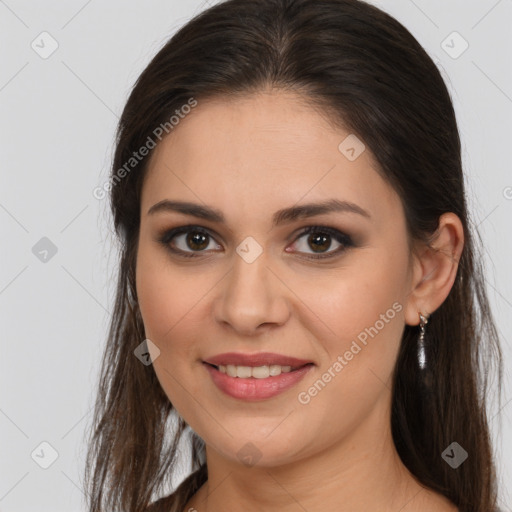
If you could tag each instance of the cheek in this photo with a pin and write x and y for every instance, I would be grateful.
(168, 295)
(358, 311)
(169, 306)
(359, 323)
(174, 303)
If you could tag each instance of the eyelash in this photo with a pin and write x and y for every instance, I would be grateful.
(342, 238)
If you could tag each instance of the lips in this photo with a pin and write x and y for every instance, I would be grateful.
(258, 359)
(255, 389)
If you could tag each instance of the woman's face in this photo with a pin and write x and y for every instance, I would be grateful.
(247, 285)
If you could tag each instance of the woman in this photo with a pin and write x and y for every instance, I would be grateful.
(298, 267)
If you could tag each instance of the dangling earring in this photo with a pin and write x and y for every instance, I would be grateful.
(422, 358)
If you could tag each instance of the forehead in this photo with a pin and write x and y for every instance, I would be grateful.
(258, 153)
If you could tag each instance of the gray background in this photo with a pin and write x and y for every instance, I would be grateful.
(57, 122)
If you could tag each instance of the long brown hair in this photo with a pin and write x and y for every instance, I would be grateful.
(368, 74)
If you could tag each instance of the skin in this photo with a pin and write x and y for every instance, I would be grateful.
(336, 452)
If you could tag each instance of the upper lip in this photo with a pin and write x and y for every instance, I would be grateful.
(258, 359)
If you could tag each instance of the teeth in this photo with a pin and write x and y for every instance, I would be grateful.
(258, 372)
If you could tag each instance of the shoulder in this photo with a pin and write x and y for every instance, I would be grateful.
(164, 504)
(177, 500)
(438, 502)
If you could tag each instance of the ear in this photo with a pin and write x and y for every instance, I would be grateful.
(434, 269)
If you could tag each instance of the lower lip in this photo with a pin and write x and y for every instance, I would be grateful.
(253, 389)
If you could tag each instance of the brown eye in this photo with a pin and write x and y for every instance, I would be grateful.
(187, 240)
(196, 241)
(320, 240)
(192, 241)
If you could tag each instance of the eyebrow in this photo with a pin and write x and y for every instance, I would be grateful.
(286, 215)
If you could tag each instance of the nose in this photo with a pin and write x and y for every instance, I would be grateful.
(252, 298)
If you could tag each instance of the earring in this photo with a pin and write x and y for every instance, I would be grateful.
(422, 358)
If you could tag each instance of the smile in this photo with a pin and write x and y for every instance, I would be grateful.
(258, 372)
(258, 382)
